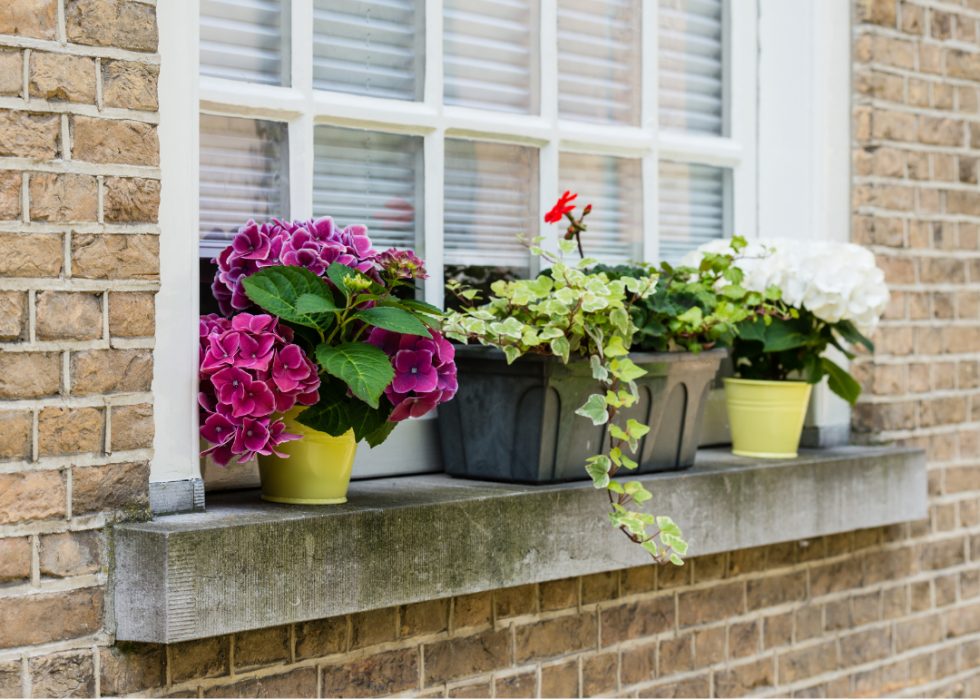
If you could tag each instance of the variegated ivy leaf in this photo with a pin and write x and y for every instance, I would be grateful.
(597, 286)
(535, 250)
(595, 410)
(599, 470)
(621, 319)
(626, 370)
(541, 286)
(561, 348)
(550, 334)
(530, 338)
(598, 371)
(567, 246)
(615, 347)
(482, 315)
(521, 296)
(511, 327)
(628, 462)
(586, 262)
(591, 302)
(474, 326)
(652, 547)
(636, 429)
(676, 560)
(567, 296)
(499, 287)
(615, 486)
(511, 353)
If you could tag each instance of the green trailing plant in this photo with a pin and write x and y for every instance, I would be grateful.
(567, 312)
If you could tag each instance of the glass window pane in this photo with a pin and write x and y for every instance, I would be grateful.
(369, 47)
(490, 197)
(599, 61)
(692, 207)
(241, 176)
(691, 54)
(614, 187)
(242, 40)
(370, 178)
(490, 54)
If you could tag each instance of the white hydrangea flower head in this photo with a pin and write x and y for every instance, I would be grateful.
(834, 281)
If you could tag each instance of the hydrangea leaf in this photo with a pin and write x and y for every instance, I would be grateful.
(841, 382)
(330, 413)
(394, 319)
(365, 368)
(277, 289)
(308, 304)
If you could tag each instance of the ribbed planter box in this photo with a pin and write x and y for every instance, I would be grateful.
(517, 423)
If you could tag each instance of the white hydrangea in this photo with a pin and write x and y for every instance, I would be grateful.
(834, 281)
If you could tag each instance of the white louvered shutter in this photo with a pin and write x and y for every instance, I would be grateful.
(599, 61)
(490, 54)
(490, 197)
(242, 40)
(691, 75)
(692, 207)
(369, 47)
(240, 176)
(613, 186)
(370, 178)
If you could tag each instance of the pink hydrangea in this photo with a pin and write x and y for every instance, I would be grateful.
(249, 370)
(313, 244)
(425, 371)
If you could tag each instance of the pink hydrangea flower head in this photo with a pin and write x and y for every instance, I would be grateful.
(414, 371)
(402, 264)
(251, 242)
(415, 406)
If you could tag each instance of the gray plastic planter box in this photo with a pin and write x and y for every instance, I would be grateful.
(517, 423)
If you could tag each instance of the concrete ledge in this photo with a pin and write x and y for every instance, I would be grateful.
(246, 564)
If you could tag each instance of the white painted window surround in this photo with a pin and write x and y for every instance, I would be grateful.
(184, 95)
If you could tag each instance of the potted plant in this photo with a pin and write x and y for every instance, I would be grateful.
(338, 356)
(834, 294)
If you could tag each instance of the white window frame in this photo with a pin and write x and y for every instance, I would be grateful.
(184, 95)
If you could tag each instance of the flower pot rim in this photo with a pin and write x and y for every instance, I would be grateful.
(484, 352)
(766, 382)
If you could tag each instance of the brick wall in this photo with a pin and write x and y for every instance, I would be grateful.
(79, 192)
(862, 613)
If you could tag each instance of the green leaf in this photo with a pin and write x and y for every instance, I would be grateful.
(780, 336)
(380, 434)
(754, 329)
(277, 289)
(615, 486)
(598, 371)
(422, 307)
(615, 347)
(330, 413)
(511, 352)
(853, 335)
(840, 382)
(311, 303)
(629, 463)
(561, 348)
(626, 370)
(363, 367)
(367, 421)
(394, 319)
(636, 429)
(567, 246)
(339, 274)
(599, 470)
(676, 560)
(595, 410)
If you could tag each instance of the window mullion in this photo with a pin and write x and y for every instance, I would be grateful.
(434, 151)
(301, 45)
(743, 104)
(300, 170)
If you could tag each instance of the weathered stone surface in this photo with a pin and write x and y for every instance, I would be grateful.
(560, 680)
(111, 371)
(64, 198)
(131, 314)
(424, 618)
(261, 647)
(29, 374)
(316, 639)
(298, 683)
(115, 256)
(644, 618)
(744, 679)
(15, 559)
(473, 610)
(700, 606)
(865, 646)
(15, 435)
(68, 316)
(676, 655)
(553, 638)
(131, 200)
(130, 85)
(9, 190)
(373, 627)
(24, 135)
(37, 19)
(118, 141)
(515, 601)
(769, 592)
(743, 639)
(466, 656)
(11, 72)
(131, 668)
(45, 618)
(31, 496)
(69, 431)
(56, 76)
(801, 664)
(382, 674)
(30, 255)
(111, 487)
(63, 675)
(70, 553)
(963, 64)
(599, 674)
(13, 312)
(132, 427)
(517, 686)
(709, 646)
(127, 25)
(207, 657)
(10, 680)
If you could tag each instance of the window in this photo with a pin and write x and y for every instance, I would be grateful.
(450, 126)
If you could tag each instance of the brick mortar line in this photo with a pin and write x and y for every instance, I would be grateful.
(110, 52)
(44, 106)
(101, 639)
(922, 689)
(82, 227)
(49, 586)
(916, 146)
(77, 284)
(58, 463)
(78, 167)
(74, 345)
(79, 523)
(933, 184)
(95, 400)
(951, 114)
(873, 66)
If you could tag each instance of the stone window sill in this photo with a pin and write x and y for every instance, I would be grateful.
(247, 564)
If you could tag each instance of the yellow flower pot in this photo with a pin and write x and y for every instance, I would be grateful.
(317, 471)
(766, 417)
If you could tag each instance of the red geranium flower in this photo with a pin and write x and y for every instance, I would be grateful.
(560, 209)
